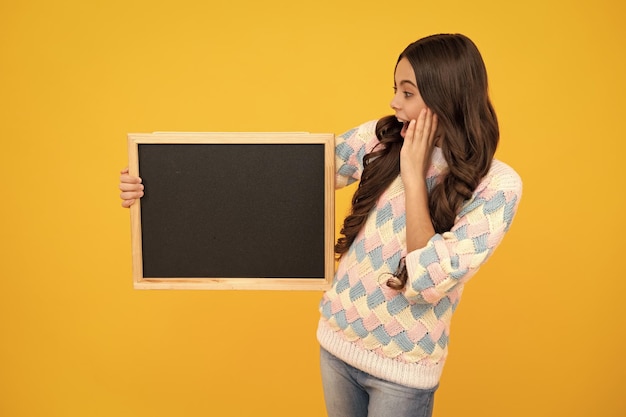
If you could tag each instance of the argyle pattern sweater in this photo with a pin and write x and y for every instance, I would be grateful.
(402, 336)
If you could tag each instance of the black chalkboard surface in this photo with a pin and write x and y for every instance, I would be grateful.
(233, 210)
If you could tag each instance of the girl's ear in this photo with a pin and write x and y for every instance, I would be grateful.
(440, 134)
(438, 137)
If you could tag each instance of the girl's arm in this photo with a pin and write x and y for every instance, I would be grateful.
(452, 258)
(414, 161)
(350, 148)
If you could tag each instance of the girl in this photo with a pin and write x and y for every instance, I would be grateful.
(431, 206)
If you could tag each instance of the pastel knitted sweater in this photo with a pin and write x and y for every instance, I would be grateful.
(402, 336)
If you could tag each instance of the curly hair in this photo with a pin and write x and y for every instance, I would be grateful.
(452, 80)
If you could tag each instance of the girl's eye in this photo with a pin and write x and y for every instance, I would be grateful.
(406, 94)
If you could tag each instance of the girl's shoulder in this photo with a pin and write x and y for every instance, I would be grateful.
(500, 189)
(364, 130)
(501, 177)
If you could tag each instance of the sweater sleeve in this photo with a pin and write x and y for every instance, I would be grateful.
(350, 148)
(452, 258)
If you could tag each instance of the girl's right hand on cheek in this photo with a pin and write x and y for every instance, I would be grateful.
(418, 145)
(131, 188)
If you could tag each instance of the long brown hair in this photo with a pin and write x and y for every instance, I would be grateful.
(452, 81)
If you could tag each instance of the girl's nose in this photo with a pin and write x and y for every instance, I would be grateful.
(394, 104)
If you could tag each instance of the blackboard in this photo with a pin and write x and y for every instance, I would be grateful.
(233, 210)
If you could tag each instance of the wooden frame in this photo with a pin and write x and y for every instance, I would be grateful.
(322, 282)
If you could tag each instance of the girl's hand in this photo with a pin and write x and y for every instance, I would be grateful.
(418, 146)
(131, 187)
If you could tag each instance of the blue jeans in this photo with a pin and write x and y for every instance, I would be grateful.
(349, 392)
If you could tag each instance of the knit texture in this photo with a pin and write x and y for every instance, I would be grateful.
(402, 336)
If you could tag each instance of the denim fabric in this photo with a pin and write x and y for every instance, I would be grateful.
(349, 392)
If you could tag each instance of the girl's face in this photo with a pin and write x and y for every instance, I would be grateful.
(407, 101)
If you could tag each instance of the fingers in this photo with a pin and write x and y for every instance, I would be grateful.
(129, 179)
(131, 195)
(125, 186)
(131, 187)
(427, 115)
(418, 145)
(131, 192)
(410, 132)
(424, 128)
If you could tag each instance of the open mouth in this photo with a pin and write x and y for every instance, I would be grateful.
(405, 125)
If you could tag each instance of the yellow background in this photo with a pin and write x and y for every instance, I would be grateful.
(541, 329)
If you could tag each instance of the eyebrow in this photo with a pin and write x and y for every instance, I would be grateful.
(408, 82)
